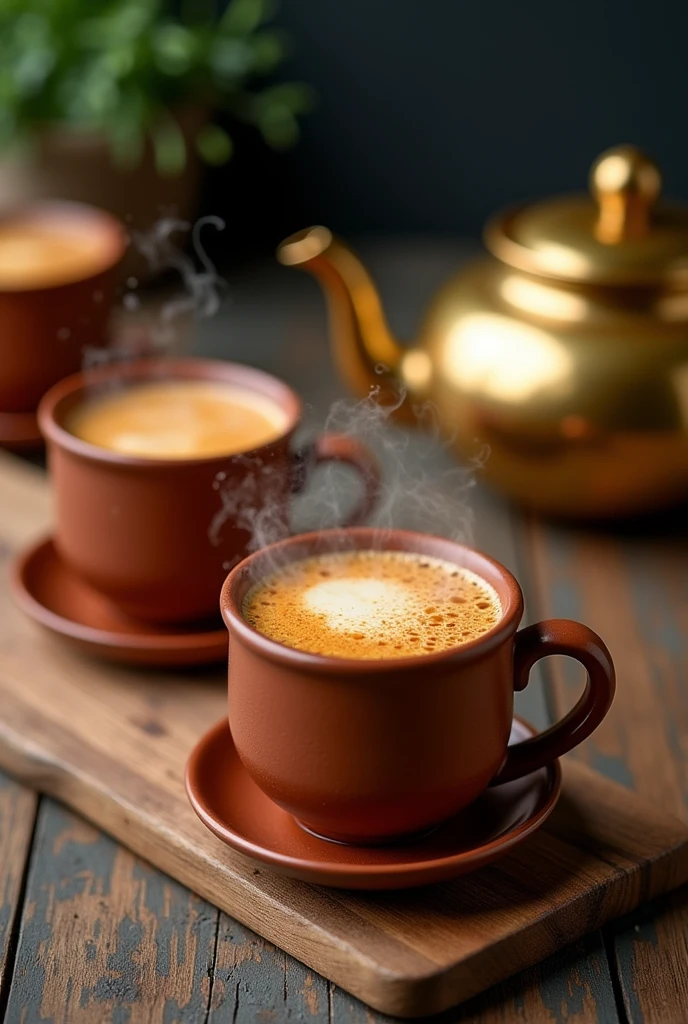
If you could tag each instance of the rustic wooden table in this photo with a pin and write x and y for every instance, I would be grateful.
(89, 933)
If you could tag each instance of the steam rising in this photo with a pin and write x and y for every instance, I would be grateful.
(423, 487)
(253, 497)
(200, 288)
(199, 295)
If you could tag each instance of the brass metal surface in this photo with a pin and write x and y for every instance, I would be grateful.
(566, 351)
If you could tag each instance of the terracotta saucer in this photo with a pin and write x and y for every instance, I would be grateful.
(51, 594)
(19, 431)
(230, 804)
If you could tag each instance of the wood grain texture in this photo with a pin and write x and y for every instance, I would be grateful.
(104, 936)
(631, 587)
(289, 338)
(254, 980)
(573, 986)
(112, 743)
(17, 817)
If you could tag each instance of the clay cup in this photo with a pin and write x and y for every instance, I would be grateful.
(157, 536)
(45, 329)
(370, 751)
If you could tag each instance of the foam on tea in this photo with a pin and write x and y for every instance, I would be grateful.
(372, 604)
(37, 255)
(178, 419)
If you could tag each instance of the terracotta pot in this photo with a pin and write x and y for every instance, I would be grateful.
(370, 751)
(64, 163)
(45, 329)
(157, 536)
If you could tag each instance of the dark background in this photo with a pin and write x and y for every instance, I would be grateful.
(433, 114)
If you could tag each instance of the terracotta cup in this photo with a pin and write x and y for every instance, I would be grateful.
(157, 536)
(45, 327)
(367, 752)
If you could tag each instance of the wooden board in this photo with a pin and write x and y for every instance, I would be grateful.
(287, 336)
(112, 743)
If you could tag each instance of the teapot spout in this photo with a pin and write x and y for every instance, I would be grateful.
(365, 351)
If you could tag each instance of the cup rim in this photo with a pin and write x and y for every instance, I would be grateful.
(242, 577)
(67, 392)
(112, 231)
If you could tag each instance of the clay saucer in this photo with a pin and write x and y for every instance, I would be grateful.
(55, 597)
(19, 431)
(230, 804)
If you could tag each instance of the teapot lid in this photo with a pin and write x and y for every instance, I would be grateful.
(617, 235)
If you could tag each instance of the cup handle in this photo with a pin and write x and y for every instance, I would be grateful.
(560, 636)
(341, 448)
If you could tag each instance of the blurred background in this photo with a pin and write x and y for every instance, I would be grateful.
(369, 116)
(403, 127)
(432, 116)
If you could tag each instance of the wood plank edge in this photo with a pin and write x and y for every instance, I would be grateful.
(650, 879)
(349, 967)
(28, 801)
(427, 990)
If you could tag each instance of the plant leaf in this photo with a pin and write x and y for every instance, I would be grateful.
(214, 145)
(175, 48)
(269, 50)
(116, 67)
(278, 126)
(168, 146)
(243, 16)
(297, 96)
(231, 59)
(126, 145)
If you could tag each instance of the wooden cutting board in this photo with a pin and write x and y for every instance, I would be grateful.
(112, 743)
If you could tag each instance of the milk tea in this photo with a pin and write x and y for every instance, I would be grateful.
(178, 419)
(372, 604)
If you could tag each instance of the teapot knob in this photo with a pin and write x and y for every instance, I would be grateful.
(626, 184)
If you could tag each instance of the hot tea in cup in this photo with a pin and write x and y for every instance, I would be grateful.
(178, 419)
(57, 263)
(372, 678)
(372, 604)
(160, 468)
(37, 253)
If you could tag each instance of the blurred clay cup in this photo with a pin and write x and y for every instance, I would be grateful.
(57, 281)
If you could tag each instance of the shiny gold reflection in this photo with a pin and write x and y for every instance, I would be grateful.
(504, 359)
(680, 383)
(563, 260)
(541, 299)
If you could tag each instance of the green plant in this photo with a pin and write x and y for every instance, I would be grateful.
(123, 68)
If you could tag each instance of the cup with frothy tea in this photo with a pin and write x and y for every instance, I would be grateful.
(164, 470)
(372, 677)
(57, 263)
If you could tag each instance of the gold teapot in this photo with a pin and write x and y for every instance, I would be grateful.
(565, 351)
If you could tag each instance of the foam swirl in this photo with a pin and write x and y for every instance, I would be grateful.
(372, 605)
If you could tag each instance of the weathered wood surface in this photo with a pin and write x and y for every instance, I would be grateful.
(105, 937)
(17, 816)
(286, 335)
(112, 743)
(632, 585)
